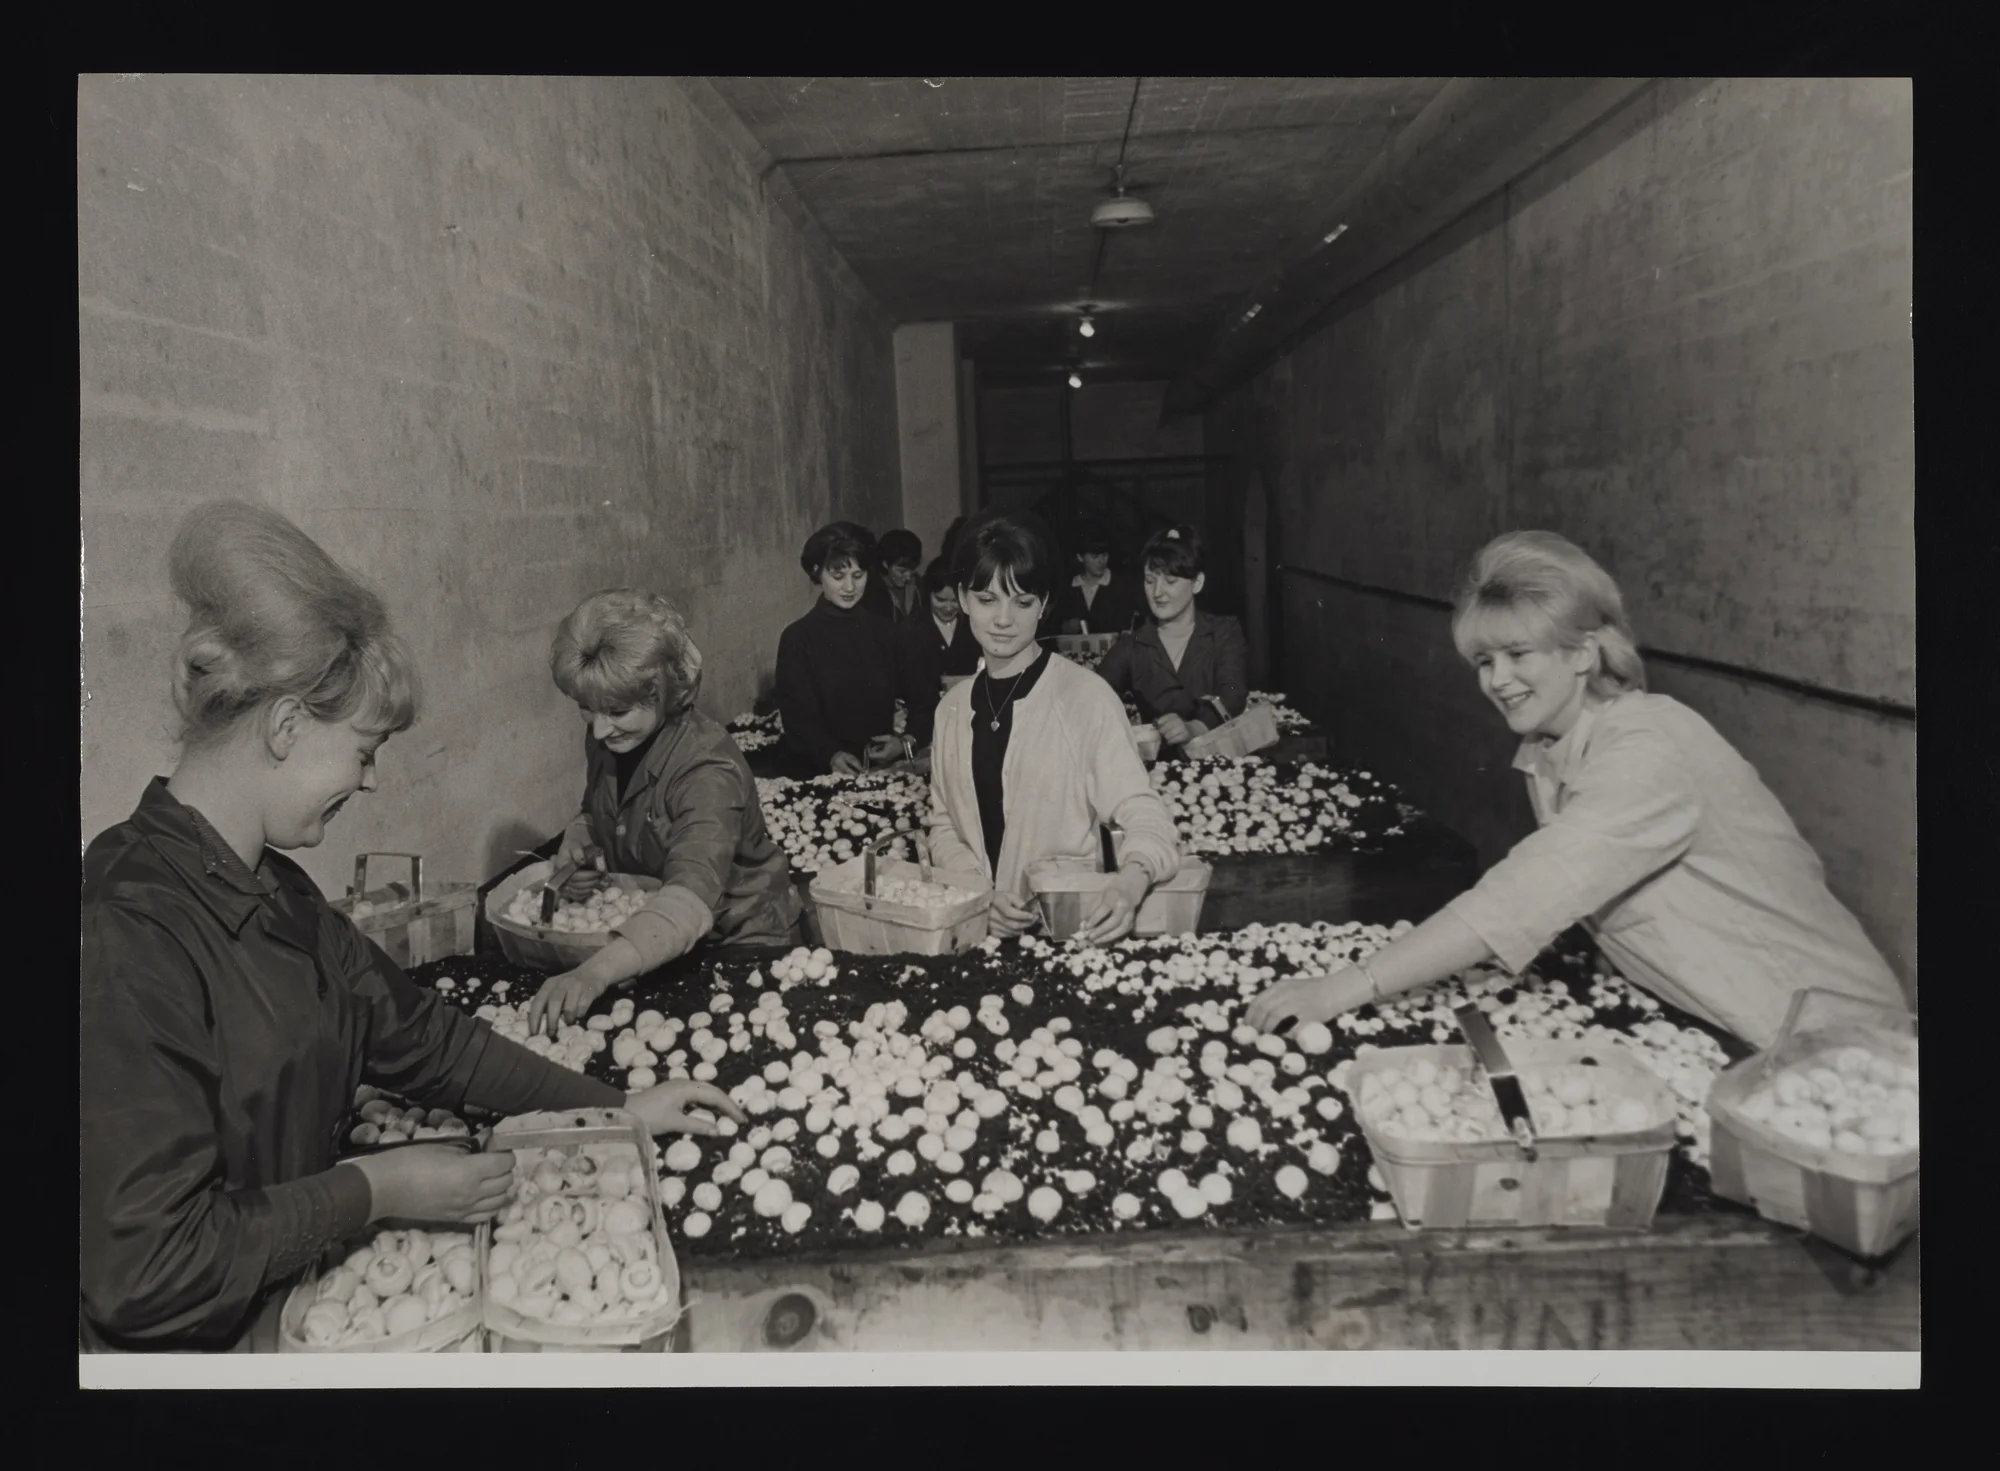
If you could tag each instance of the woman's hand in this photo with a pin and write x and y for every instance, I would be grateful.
(565, 998)
(576, 846)
(1173, 730)
(883, 749)
(582, 854)
(663, 1108)
(1310, 999)
(1196, 728)
(433, 1182)
(1011, 915)
(1117, 908)
(846, 763)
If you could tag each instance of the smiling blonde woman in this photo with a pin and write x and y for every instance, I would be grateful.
(227, 1010)
(1653, 832)
(666, 793)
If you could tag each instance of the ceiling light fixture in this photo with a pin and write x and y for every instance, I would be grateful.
(1076, 380)
(1120, 211)
(1334, 234)
(1086, 327)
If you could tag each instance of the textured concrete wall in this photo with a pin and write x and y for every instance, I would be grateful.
(497, 343)
(927, 389)
(1685, 343)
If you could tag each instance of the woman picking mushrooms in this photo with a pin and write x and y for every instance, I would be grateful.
(1033, 753)
(1653, 831)
(227, 1011)
(666, 793)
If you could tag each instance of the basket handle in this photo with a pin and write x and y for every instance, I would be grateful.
(878, 845)
(360, 886)
(1107, 848)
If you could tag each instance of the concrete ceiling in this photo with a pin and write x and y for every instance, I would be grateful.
(968, 198)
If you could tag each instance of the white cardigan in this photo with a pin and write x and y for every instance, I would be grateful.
(1071, 763)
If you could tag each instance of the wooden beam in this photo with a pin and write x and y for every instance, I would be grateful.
(1477, 135)
(1690, 1283)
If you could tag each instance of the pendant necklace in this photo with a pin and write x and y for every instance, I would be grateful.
(995, 723)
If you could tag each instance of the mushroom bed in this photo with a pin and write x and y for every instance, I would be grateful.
(1220, 807)
(979, 1097)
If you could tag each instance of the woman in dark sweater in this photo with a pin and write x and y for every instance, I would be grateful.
(940, 643)
(841, 669)
(894, 594)
(1186, 670)
(945, 635)
(1096, 600)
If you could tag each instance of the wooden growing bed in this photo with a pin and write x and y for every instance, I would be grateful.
(1692, 1282)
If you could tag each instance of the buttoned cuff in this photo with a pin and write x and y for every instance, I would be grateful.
(672, 923)
(1490, 919)
(311, 1214)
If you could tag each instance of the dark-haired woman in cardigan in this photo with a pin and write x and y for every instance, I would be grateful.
(1033, 754)
(1188, 671)
(841, 669)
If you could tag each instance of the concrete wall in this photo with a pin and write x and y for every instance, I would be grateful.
(497, 343)
(927, 389)
(1685, 343)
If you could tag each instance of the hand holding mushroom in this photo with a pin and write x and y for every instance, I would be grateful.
(429, 1182)
(1306, 999)
(663, 1108)
(1115, 909)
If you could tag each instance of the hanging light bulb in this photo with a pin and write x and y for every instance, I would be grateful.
(1076, 380)
(1086, 328)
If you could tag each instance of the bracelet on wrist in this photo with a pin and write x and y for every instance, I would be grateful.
(1374, 986)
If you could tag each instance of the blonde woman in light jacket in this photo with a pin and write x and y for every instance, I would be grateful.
(1653, 831)
(1034, 752)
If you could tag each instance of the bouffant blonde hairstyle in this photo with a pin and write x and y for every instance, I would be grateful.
(623, 648)
(1541, 589)
(273, 615)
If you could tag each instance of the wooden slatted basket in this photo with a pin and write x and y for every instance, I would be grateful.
(1867, 1204)
(852, 917)
(458, 1331)
(538, 945)
(414, 923)
(1065, 889)
(1253, 730)
(1598, 1180)
(509, 1331)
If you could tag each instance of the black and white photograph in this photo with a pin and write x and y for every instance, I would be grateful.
(997, 729)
